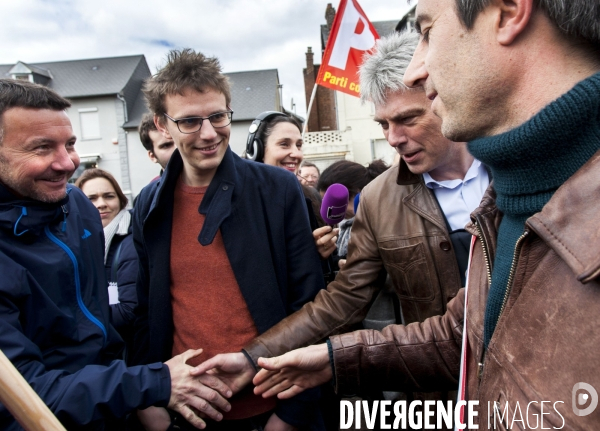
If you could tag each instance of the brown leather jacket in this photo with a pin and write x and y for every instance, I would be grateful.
(547, 338)
(399, 227)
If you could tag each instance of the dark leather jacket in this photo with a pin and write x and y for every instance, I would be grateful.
(400, 227)
(547, 337)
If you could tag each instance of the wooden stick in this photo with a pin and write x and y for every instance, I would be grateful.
(22, 401)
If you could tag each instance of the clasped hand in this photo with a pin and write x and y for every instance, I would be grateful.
(196, 395)
(289, 374)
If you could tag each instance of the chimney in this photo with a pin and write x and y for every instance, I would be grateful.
(310, 63)
(329, 15)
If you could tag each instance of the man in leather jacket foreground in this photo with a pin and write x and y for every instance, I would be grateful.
(520, 81)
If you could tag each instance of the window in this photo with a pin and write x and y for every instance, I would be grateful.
(88, 161)
(90, 123)
(23, 77)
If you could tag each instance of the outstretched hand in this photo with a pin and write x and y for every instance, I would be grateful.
(196, 396)
(234, 369)
(288, 375)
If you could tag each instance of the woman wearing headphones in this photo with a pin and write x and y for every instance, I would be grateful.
(275, 139)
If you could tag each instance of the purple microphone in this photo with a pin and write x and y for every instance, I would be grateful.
(335, 202)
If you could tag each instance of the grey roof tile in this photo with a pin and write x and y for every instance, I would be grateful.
(136, 113)
(90, 77)
(253, 92)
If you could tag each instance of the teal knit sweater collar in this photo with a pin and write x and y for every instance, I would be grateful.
(530, 162)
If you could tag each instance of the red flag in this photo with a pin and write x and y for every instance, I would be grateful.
(351, 35)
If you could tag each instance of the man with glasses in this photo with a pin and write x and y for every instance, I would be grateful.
(224, 244)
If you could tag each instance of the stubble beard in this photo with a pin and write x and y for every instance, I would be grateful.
(25, 191)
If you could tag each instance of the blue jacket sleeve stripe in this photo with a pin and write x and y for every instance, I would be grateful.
(84, 309)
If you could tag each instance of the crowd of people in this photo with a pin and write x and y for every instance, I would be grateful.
(222, 300)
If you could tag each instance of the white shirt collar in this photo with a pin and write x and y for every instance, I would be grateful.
(473, 172)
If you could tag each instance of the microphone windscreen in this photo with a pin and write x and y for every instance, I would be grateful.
(335, 202)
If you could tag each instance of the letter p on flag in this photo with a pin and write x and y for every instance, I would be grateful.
(351, 35)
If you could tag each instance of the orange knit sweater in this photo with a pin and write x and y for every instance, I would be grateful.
(209, 311)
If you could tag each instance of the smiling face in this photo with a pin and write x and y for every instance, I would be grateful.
(459, 70)
(37, 154)
(284, 147)
(202, 151)
(104, 197)
(413, 130)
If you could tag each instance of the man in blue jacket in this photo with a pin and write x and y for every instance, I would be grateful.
(224, 244)
(54, 310)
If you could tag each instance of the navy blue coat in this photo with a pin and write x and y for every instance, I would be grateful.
(125, 275)
(261, 213)
(54, 323)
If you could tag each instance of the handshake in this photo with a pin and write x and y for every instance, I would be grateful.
(203, 391)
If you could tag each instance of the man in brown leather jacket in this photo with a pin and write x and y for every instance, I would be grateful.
(410, 221)
(520, 80)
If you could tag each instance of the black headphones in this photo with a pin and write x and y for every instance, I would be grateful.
(255, 147)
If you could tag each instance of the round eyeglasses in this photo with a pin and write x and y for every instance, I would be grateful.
(194, 124)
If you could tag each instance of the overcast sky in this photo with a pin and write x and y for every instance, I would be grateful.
(243, 34)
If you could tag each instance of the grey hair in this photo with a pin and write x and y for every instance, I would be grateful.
(384, 66)
(576, 19)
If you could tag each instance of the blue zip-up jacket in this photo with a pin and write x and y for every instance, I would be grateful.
(54, 311)
(262, 216)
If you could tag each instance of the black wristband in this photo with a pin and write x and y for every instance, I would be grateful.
(331, 363)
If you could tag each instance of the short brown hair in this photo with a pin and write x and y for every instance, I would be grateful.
(90, 174)
(185, 69)
(25, 94)
(146, 126)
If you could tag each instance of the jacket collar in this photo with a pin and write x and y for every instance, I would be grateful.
(421, 199)
(485, 221)
(217, 201)
(405, 176)
(569, 222)
(25, 217)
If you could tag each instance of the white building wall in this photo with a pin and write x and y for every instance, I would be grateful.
(360, 131)
(102, 145)
(239, 135)
(142, 170)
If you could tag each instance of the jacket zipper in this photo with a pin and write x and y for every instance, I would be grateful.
(489, 276)
(511, 274)
(82, 306)
(509, 284)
